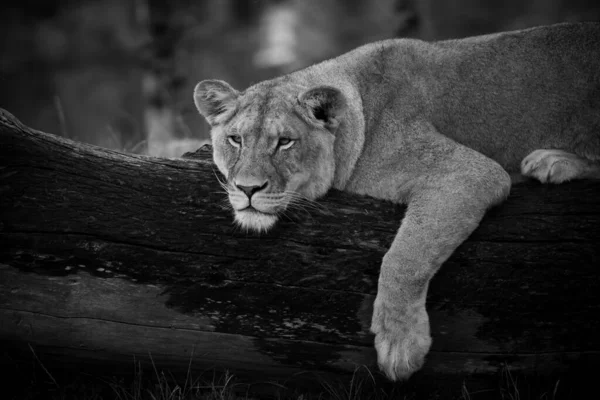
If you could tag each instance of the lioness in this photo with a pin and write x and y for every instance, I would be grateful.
(438, 126)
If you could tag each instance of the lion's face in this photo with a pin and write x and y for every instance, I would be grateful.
(273, 144)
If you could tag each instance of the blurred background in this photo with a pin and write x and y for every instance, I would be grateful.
(120, 73)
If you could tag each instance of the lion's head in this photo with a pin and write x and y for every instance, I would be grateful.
(273, 143)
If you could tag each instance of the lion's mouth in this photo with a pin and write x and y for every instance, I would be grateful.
(251, 208)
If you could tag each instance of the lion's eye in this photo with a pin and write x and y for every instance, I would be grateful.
(285, 143)
(235, 140)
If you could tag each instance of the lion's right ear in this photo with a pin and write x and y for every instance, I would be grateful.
(215, 100)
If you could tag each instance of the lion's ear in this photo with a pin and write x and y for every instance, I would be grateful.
(325, 104)
(214, 100)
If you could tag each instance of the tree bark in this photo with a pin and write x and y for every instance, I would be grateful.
(105, 256)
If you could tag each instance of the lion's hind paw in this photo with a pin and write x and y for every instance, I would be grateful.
(556, 166)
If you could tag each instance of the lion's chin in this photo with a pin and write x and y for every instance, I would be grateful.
(252, 220)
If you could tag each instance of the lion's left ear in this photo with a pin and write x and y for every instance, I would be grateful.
(325, 104)
(215, 99)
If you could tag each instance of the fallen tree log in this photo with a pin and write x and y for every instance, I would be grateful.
(105, 256)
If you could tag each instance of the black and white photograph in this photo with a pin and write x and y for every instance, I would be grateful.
(300, 199)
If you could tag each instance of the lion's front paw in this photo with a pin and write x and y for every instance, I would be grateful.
(552, 166)
(401, 338)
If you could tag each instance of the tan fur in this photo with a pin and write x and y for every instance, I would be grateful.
(435, 125)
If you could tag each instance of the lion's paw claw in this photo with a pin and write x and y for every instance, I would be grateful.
(401, 341)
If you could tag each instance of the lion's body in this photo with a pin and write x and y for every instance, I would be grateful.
(435, 125)
(504, 94)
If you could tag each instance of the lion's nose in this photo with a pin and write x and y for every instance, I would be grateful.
(250, 190)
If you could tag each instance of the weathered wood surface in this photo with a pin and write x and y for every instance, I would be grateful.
(107, 255)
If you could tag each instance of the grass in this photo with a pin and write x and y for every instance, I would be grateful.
(36, 381)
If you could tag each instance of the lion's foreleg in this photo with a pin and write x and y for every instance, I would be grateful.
(443, 211)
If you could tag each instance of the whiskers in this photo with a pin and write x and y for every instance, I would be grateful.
(268, 207)
(222, 183)
(225, 205)
(224, 202)
(296, 201)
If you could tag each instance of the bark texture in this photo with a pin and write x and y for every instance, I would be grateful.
(105, 256)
